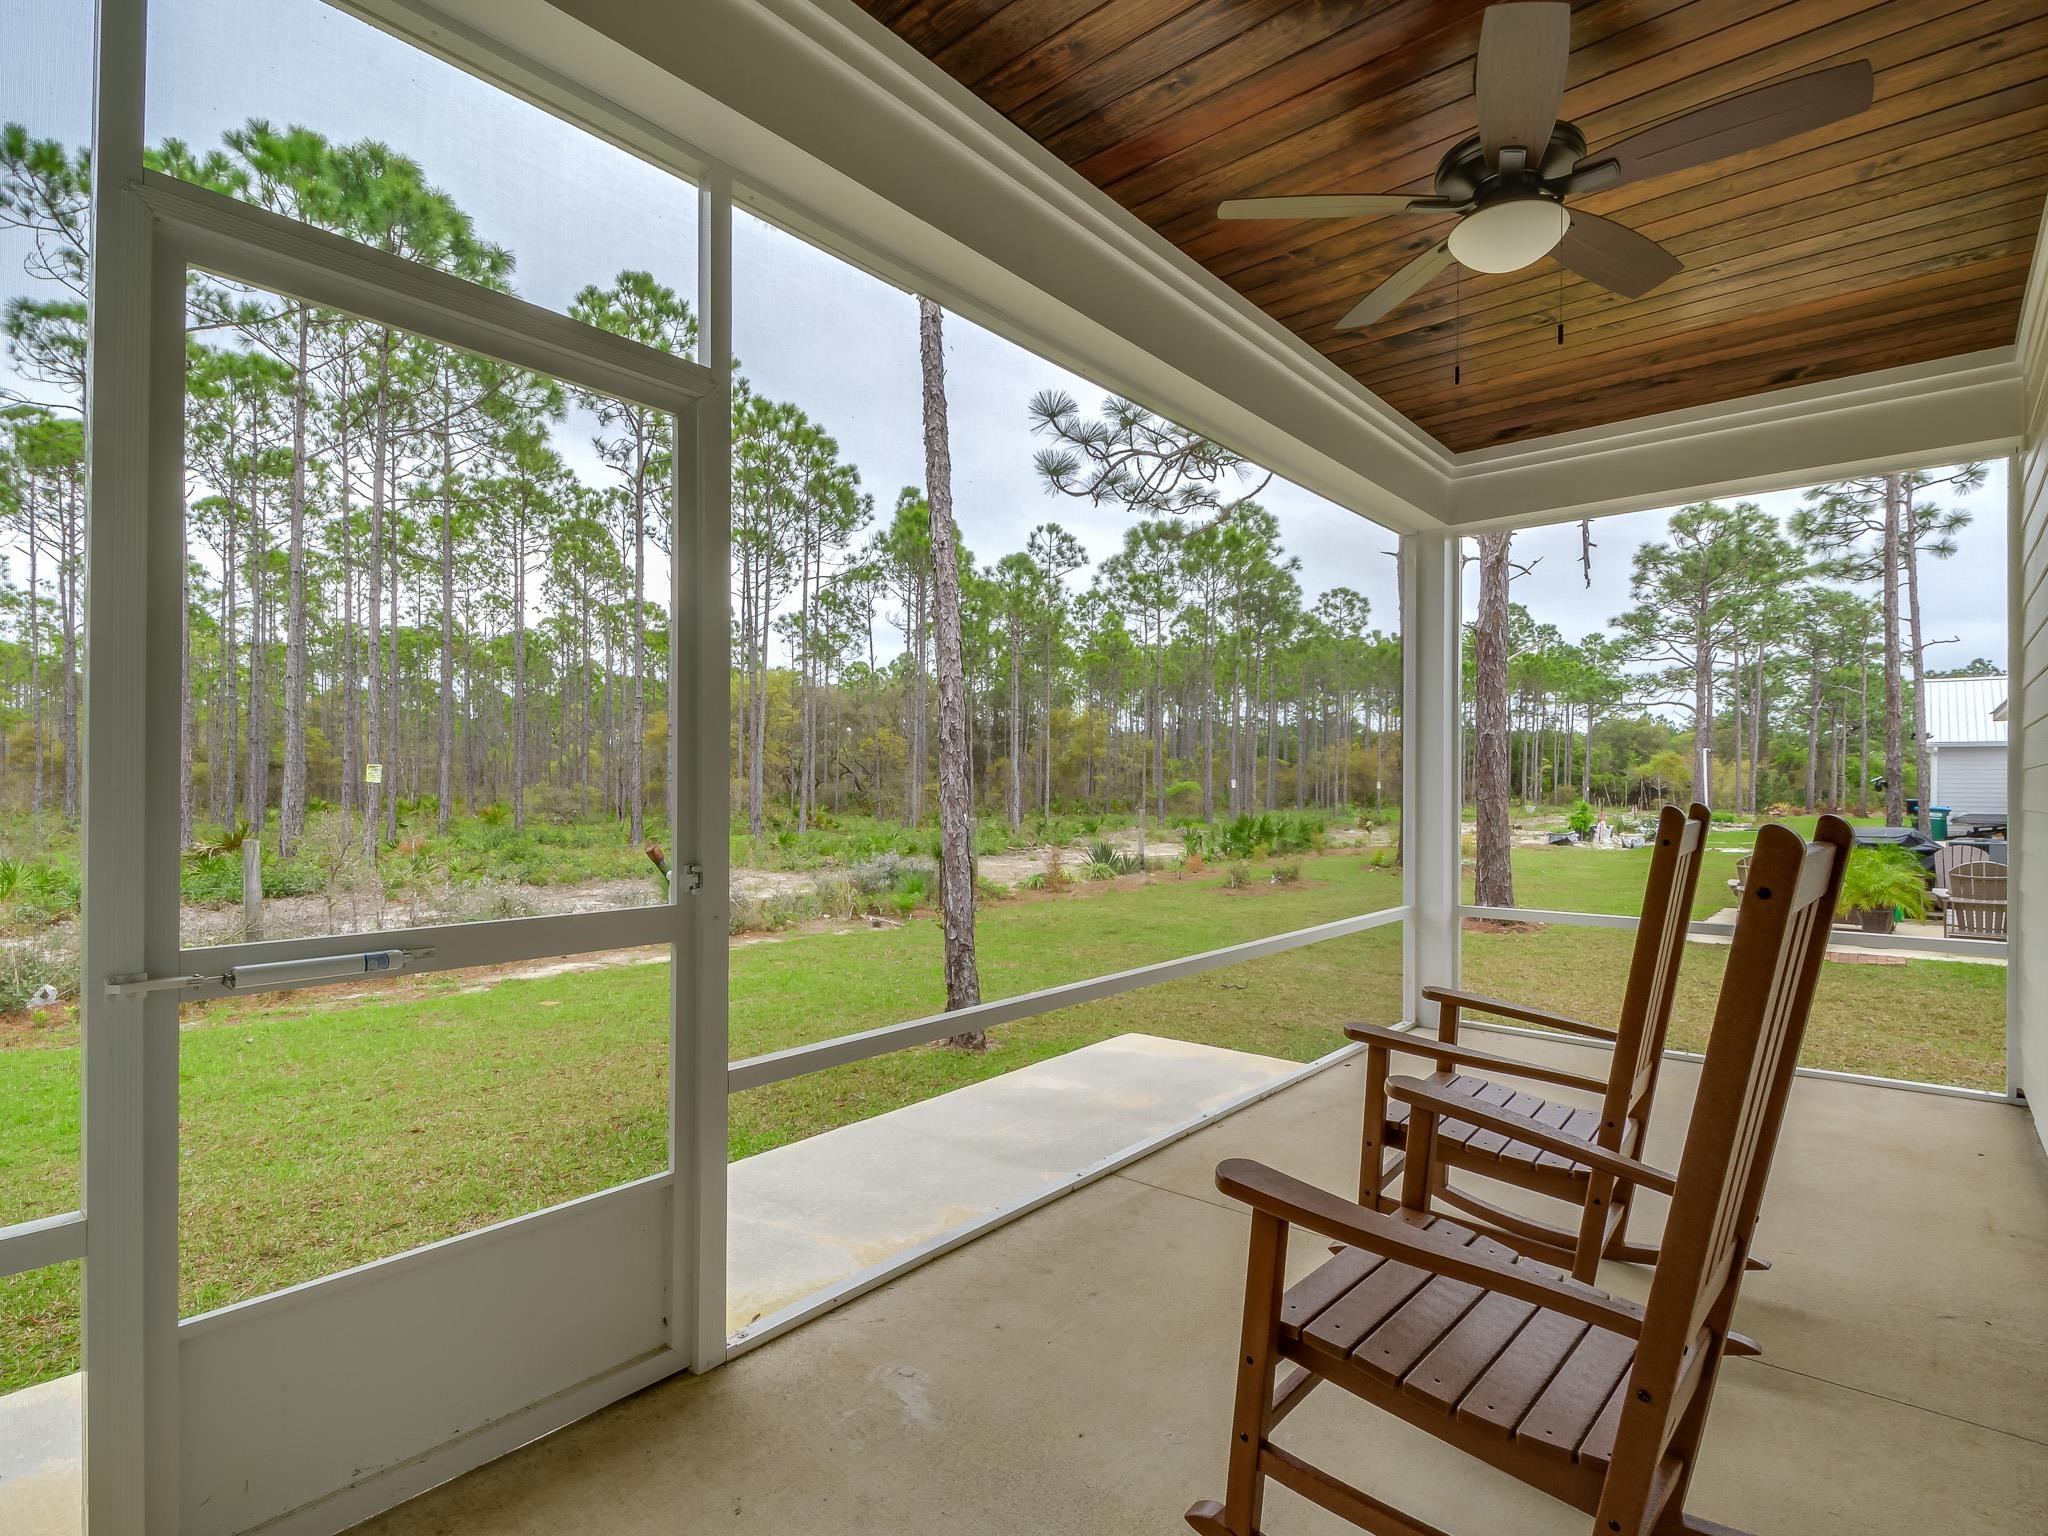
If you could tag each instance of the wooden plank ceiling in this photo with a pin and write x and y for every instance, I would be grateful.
(1894, 237)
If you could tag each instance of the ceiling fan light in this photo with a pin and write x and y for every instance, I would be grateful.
(1505, 237)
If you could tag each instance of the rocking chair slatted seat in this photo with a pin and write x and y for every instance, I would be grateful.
(1467, 1143)
(1597, 1401)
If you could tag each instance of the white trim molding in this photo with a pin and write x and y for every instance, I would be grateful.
(31, 1245)
(1838, 938)
(799, 1060)
(1953, 410)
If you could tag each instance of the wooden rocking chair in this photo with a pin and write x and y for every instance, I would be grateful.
(1597, 1401)
(1602, 1200)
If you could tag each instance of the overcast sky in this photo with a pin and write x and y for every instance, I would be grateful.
(807, 328)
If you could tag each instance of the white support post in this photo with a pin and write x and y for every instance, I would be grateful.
(2018, 710)
(700, 748)
(1431, 675)
(130, 819)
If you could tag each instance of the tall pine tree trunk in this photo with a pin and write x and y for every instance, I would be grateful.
(35, 651)
(185, 717)
(637, 717)
(956, 824)
(444, 779)
(291, 822)
(519, 705)
(373, 708)
(69, 571)
(1894, 702)
(1495, 885)
(1016, 735)
(1923, 770)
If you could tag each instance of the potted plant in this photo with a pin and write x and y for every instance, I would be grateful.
(1879, 886)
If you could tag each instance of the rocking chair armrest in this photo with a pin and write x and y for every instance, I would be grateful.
(1379, 1037)
(1397, 1236)
(1417, 1094)
(1520, 1012)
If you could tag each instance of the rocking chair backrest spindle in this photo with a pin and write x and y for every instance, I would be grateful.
(1653, 971)
(1773, 965)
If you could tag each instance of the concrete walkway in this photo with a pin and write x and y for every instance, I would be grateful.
(1994, 954)
(818, 1212)
(39, 1447)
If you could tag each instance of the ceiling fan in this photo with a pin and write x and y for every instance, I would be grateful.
(1508, 182)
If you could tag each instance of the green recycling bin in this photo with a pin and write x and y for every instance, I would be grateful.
(1937, 822)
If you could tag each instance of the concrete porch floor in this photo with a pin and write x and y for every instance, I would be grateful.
(1071, 1372)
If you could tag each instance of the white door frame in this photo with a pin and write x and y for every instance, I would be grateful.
(176, 1411)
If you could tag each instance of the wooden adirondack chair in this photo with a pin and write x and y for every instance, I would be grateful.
(1602, 1201)
(1973, 905)
(1597, 1401)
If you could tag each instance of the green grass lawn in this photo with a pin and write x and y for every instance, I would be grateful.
(1611, 880)
(1926, 1020)
(321, 1131)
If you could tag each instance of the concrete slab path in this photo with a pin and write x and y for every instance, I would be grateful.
(818, 1212)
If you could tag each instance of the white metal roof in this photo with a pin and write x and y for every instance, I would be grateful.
(1962, 711)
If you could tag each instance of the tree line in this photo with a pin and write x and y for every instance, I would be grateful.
(1763, 639)
(421, 583)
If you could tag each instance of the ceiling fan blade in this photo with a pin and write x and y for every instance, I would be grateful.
(1397, 289)
(1523, 52)
(1749, 121)
(1341, 206)
(1614, 256)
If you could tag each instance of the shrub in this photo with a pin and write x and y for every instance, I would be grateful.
(1238, 876)
(219, 844)
(25, 969)
(1251, 837)
(1581, 819)
(50, 887)
(554, 804)
(871, 877)
(837, 896)
(486, 900)
(1193, 862)
(1055, 877)
(1288, 873)
(1106, 863)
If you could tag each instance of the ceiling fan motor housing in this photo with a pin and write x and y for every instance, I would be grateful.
(1463, 175)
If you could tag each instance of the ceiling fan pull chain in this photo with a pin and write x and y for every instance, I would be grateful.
(1562, 226)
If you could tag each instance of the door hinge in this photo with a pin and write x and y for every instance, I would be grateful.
(693, 877)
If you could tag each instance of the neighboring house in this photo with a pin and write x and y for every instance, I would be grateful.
(1965, 728)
